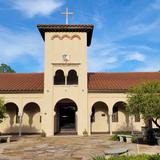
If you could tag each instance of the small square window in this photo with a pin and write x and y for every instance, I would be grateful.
(40, 119)
(103, 115)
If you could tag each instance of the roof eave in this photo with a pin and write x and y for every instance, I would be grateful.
(21, 91)
(67, 28)
(107, 90)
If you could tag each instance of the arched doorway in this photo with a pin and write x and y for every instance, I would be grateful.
(31, 122)
(99, 118)
(12, 119)
(65, 119)
(120, 117)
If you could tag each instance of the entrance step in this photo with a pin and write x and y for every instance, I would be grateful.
(67, 132)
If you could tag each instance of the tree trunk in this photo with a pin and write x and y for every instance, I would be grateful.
(155, 122)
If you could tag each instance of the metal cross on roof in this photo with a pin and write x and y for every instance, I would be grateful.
(67, 13)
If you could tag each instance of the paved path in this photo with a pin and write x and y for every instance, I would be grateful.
(66, 147)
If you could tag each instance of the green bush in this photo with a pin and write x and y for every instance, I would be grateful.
(156, 132)
(124, 132)
(98, 158)
(43, 134)
(155, 157)
(134, 139)
(138, 157)
(115, 137)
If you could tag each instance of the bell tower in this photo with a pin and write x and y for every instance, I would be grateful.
(65, 75)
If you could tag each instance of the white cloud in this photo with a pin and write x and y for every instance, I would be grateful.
(33, 8)
(138, 29)
(136, 56)
(102, 64)
(19, 46)
(106, 57)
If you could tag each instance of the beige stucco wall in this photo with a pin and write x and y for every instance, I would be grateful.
(77, 50)
(30, 117)
(110, 99)
(101, 124)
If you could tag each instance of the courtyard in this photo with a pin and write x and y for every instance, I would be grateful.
(66, 147)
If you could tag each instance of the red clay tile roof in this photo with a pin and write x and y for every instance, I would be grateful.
(103, 82)
(23, 83)
(118, 81)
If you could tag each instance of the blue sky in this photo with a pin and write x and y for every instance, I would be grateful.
(126, 35)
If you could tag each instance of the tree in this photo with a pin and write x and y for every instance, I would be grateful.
(145, 99)
(2, 110)
(4, 68)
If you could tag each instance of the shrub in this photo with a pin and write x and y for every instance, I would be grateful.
(156, 132)
(99, 158)
(133, 157)
(115, 137)
(85, 133)
(155, 157)
(124, 132)
(150, 137)
(134, 139)
(138, 157)
(43, 134)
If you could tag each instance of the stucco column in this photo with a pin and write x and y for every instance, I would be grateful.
(110, 124)
(65, 76)
(20, 116)
(76, 121)
(132, 127)
(89, 124)
(55, 125)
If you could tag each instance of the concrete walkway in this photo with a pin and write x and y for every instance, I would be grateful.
(66, 148)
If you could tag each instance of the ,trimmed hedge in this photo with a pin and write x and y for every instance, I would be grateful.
(114, 137)
(138, 157)
(99, 158)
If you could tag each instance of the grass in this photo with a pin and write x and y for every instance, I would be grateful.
(137, 157)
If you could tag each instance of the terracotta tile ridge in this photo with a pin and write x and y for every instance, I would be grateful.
(22, 73)
(124, 72)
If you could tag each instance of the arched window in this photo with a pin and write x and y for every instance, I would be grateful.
(59, 78)
(115, 114)
(72, 77)
(119, 109)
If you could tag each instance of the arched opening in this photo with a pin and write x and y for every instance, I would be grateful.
(59, 78)
(115, 113)
(65, 119)
(120, 116)
(12, 117)
(72, 77)
(31, 118)
(99, 118)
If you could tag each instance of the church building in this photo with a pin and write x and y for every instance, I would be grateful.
(66, 99)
